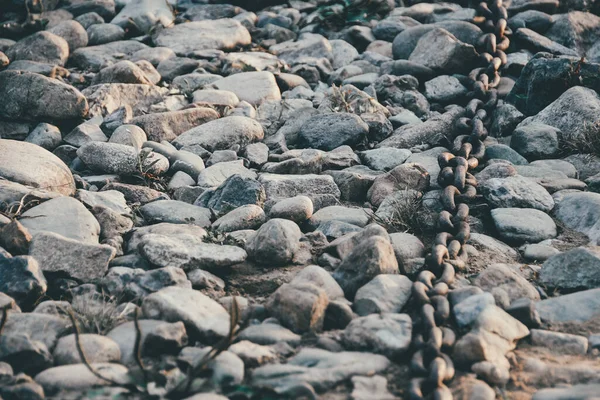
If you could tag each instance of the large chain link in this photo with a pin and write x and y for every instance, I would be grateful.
(430, 364)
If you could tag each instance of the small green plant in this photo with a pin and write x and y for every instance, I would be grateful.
(144, 171)
(215, 237)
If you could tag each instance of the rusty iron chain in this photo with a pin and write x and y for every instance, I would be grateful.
(431, 366)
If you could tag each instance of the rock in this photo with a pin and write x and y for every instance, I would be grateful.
(385, 158)
(299, 306)
(134, 193)
(222, 133)
(158, 337)
(385, 333)
(383, 294)
(403, 177)
(319, 368)
(85, 133)
(225, 368)
(216, 97)
(539, 252)
(222, 34)
(580, 391)
(53, 99)
(216, 175)
(536, 42)
(46, 136)
(535, 141)
(97, 348)
(579, 211)
(321, 189)
(65, 216)
(440, 50)
(248, 216)
(78, 260)
(355, 216)
(253, 355)
(577, 308)
(502, 277)
(176, 212)
(100, 34)
(576, 30)
(122, 72)
(31, 165)
(523, 224)
(120, 159)
(269, 333)
(22, 279)
(253, 87)
(106, 98)
(371, 257)
(297, 209)
(77, 377)
(234, 192)
(573, 113)
(204, 319)
(444, 89)
(467, 310)
(42, 46)
(328, 131)
(129, 135)
(71, 31)
(562, 343)
(16, 348)
(144, 15)
(517, 191)
(95, 58)
(366, 388)
(308, 45)
(42, 328)
(575, 269)
(169, 125)
(275, 243)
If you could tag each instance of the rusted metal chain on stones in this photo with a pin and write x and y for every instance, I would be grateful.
(430, 364)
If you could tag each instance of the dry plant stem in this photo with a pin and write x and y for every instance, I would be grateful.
(4, 319)
(137, 349)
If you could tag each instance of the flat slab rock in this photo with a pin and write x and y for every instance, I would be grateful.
(221, 34)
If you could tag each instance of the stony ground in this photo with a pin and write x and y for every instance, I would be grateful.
(212, 201)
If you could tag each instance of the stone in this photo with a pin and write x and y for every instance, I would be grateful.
(204, 318)
(577, 308)
(222, 133)
(442, 51)
(97, 349)
(366, 388)
(221, 34)
(558, 342)
(45, 135)
(328, 131)
(46, 99)
(297, 209)
(575, 269)
(95, 58)
(72, 32)
(321, 189)
(408, 176)
(444, 89)
(176, 212)
(215, 175)
(22, 279)
(77, 377)
(169, 125)
(85, 133)
(120, 159)
(106, 98)
(16, 348)
(573, 113)
(65, 216)
(536, 141)
(580, 211)
(99, 34)
(249, 216)
(467, 310)
(269, 333)
(275, 243)
(523, 224)
(122, 72)
(129, 135)
(33, 166)
(144, 15)
(537, 43)
(383, 294)
(78, 260)
(42, 328)
(42, 46)
(308, 45)
(580, 391)
(385, 333)
(385, 158)
(223, 98)
(253, 87)
(253, 355)
(355, 216)
(502, 277)
(234, 192)
(576, 30)
(371, 257)
(299, 306)
(188, 252)
(517, 191)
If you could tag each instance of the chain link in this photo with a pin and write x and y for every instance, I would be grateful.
(430, 364)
